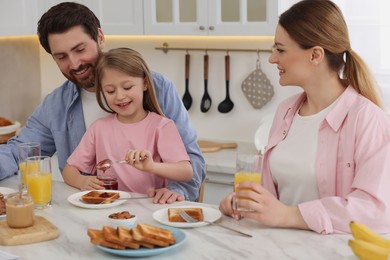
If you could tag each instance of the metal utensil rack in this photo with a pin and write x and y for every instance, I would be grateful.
(165, 48)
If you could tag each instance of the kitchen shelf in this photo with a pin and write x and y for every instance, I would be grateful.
(165, 48)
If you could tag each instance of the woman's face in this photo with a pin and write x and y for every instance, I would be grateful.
(124, 95)
(292, 61)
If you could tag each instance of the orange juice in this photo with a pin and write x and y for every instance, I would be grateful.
(246, 176)
(33, 167)
(240, 177)
(39, 187)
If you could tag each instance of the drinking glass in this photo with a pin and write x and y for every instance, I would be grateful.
(39, 180)
(247, 169)
(26, 150)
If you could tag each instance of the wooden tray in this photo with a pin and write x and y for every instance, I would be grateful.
(42, 230)
(208, 146)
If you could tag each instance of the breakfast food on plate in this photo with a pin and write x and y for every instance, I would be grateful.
(121, 215)
(143, 235)
(2, 204)
(152, 235)
(174, 216)
(100, 197)
(5, 121)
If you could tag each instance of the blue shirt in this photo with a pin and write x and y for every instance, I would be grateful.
(58, 125)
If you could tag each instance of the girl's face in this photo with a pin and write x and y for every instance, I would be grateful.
(124, 95)
(292, 61)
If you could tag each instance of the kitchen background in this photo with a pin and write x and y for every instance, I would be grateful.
(28, 73)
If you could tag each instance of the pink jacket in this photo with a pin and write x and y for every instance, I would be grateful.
(353, 164)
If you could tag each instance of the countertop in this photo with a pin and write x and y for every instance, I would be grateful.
(208, 242)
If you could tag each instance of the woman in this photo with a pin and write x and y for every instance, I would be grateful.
(327, 160)
(136, 131)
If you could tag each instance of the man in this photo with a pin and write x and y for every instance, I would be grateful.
(71, 33)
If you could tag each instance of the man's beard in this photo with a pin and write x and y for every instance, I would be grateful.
(86, 83)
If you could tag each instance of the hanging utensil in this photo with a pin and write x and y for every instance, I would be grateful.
(187, 99)
(257, 87)
(206, 99)
(226, 105)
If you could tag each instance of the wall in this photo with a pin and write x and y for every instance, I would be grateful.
(20, 82)
(241, 123)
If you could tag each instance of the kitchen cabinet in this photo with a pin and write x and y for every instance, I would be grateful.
(18, 17)
(123, 17)
(210, 17)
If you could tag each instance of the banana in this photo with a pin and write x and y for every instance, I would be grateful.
(362, 232)
(367, 251)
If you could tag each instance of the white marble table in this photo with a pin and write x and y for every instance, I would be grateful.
(208, 242)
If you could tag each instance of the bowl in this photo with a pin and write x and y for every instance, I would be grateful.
(6, 132)
(125, 222)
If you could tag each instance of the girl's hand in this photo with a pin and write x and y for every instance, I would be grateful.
(140, 159)
(266, 208)
(91, 183)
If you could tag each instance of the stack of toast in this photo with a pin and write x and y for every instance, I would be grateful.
(2, 204)
(174, 216)
(143, 235)
(99, 197)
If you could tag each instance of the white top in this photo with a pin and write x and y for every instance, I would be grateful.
(292, 161)
(91, 108)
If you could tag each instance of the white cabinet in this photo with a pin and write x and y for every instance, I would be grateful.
(210, 17)
(18, 17)
(123, 17)
(217, 186)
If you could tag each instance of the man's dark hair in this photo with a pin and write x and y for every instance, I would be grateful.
(61, 17)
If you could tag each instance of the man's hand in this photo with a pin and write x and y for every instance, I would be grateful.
(163, 196)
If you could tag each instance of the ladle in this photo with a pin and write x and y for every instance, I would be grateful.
(206, 99)
(226, 105)
(187, 99)
(105, 164)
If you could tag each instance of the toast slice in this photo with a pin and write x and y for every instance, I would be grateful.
(157, 233)
(97, 238)
(174, 216)
(126, 238)
(99, 197)
(140, 236)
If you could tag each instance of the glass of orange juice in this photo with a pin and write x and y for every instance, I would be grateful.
(26, 150)
(247, 169)
(39, 180)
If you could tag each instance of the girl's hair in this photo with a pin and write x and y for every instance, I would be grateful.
(321, 23)
(131, 63)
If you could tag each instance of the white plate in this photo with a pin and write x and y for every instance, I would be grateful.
(75, 200)
(142, 252)
(210, 214)
(5, 191)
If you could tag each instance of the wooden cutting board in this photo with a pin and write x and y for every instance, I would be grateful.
(42, 230)
(209, 146)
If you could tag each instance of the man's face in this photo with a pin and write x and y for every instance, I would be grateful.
(76, 54)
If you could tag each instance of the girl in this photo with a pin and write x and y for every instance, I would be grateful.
(136, 131)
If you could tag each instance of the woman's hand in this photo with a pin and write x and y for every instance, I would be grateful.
(225, 206)
(266, 208)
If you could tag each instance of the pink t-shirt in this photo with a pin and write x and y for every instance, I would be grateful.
(109, 138)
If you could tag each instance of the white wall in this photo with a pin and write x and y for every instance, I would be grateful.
(241, 123)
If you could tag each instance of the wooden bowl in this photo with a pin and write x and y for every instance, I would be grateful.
(9, 131)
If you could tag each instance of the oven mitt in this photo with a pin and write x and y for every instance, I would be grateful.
(257, 88)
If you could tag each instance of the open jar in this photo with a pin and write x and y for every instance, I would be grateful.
(20, 211)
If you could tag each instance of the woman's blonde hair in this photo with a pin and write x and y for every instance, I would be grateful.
(321, 23)
(131, 63)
